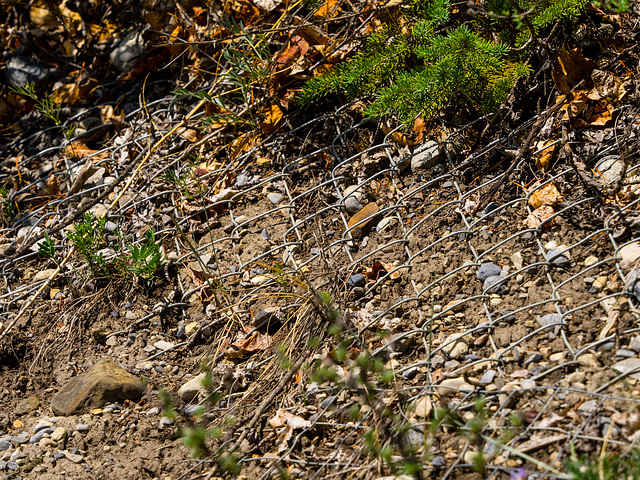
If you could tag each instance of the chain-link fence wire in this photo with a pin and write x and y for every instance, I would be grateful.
(541, 341)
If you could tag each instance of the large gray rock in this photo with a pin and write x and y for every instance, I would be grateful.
(106, 382)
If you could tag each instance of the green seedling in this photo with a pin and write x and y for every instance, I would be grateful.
(47, 106)
(87, 237)
(146, 259)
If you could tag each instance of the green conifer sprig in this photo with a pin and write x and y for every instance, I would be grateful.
(413, 71)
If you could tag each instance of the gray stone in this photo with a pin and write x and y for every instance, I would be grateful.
(492, 284)
(634, 344)
(17, 455)
(129, 51)
(624, 353)
(628, 365)
(12, 466)
(4, 445)
(352, 204)
(487, 270)
(73, 457)
(22, 70)
(438, 462)
(357, 280)
(383, 224)
(632, 284)
(189, 390)
(427, 156)
(275, 198)
(488, 376)
(165, 422)
(193, 410)
(558, 257)
(26, 406)
(35, 438)
(103, 383)
(21, 439)
(437, 361)
(549, 319)
(535, 358)
(82, 427)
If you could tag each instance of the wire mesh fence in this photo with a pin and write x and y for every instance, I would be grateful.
(537, 315)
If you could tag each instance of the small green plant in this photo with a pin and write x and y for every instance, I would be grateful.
(607, 467)
(87, 238)
(146, 259)
(7, 209)
(46, 248)
(47, 106)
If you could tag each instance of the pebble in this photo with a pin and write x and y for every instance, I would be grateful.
(190, 389)
(193, 410)
(73, 457)
(383, 224)
(549, 319)
(191, 328)
(492, 284)
(488, 376)
(410, 373)
(633, 283)
(4, 445)
(59, 434)
(129, 315)
(21, 439)
(516, 259)
(83, 427)
(557, 357)
(357, 280)
(162, 345)
(590, 260)
(352, 204)
(427, 156)
(47, 442)
(634, 344)
(487, 270)
(535, 358)
(40, 434)
(112, 408)
(438, 462)
(275, 198)
(624, 353)
(164, 422)
(559, 257)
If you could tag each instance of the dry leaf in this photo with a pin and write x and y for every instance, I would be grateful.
(282, 417)
(247, 343)
(379, 269)
(329, 9)
(68, 93)
(547, 195)
(79, 150)
(267, 5)
(546, 150)
(538, 216)
(42, 16)
(570, 68)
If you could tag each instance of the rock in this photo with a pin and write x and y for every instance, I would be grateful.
(164, 422)
(352, 204)
(624, 353)
(47, 442)
(193, 410)
(427, 156)
(488, 376)
(549, 319)
(73, 457)
(26, 406)
(438, 462)
(43, 275)
(363, 219)
(357, 280)
(634, 344)
(5, 445)
(162, 345)
(275, 198)
(559, 257)
(59, 434)
(590, 260)
(630, 255)
(40, 434)
(494, 284)
(487, 270)
(21, 70)
(516, 259)
(457, 349)
(627, 365)
(384, 223)
(129, 51)
(632, 283)
(82, 428)
(21, 439)
(103, 383)
(610, 168)
(191, 328)
(193, 387)
(423, 407)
